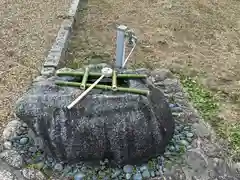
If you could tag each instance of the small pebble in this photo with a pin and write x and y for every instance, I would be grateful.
(158, 173)
(7, 145)
(40, 165)
(176, 109)
(146, 174)
(128, 176)
(32, 149)
(116, 173)
(24, 141)
(172, 148)
(23, 129)
(143, 168)
(58, 167)
(53, 164)
(102, 167)
(101, 173)
(177, 148)
(19, 132)
(172, 105)
(152, 173)
(137, 176)
(79, 176)
(184, 142)
(189, 135)
(50, 159)
(128, 168)
(24, 125)
(167, 153)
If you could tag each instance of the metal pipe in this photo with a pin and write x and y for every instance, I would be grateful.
(120, 51)
(126, 60)
(85, 92)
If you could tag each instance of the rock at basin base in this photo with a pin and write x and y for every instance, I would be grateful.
(124, 127)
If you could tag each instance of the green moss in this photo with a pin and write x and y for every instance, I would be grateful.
(208, 106)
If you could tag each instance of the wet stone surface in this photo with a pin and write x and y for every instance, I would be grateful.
(192, 154)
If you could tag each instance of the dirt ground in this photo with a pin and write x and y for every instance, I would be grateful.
(27, 30)
(200, 38)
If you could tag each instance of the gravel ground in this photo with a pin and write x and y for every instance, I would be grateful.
(198, 37)
(27, 30)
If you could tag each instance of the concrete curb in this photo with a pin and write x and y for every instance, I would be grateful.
(58, 50)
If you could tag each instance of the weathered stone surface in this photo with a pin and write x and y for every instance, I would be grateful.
(125, 127)
(30, 174)
(11, 129)
(12, 158)
(8, 173)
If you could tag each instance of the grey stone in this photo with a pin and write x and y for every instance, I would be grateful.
(7, 145)
(211, 149)
(152, 173)
(58, 49)
(32, 149)
(24, 125)
(39, 165)
(161, 74)
(128, 168)
(116, 173)
(197, 161)
(31, 174)
(146, 174)
(184, 142)
(137, 176)
(73, 8)
(39, 78)
(47, 71)
(12, 158)
(24, 141)
(226, 177)
(236, 167)
(58, 167)
(201, 130)
(108, 123)
(176, 109)
(10, 130)
(39, 142)
(143, 168)
(172, 85)
(190, 135)
(128, 176)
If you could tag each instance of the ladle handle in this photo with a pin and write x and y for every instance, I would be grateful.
(85, 92)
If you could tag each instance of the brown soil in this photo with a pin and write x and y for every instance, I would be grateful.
(199, 38)
(27, 30)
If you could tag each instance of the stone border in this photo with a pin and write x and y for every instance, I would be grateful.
(57, 53)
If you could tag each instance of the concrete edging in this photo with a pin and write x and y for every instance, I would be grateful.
(58, 50)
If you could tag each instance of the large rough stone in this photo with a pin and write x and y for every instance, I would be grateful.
(121, 126)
